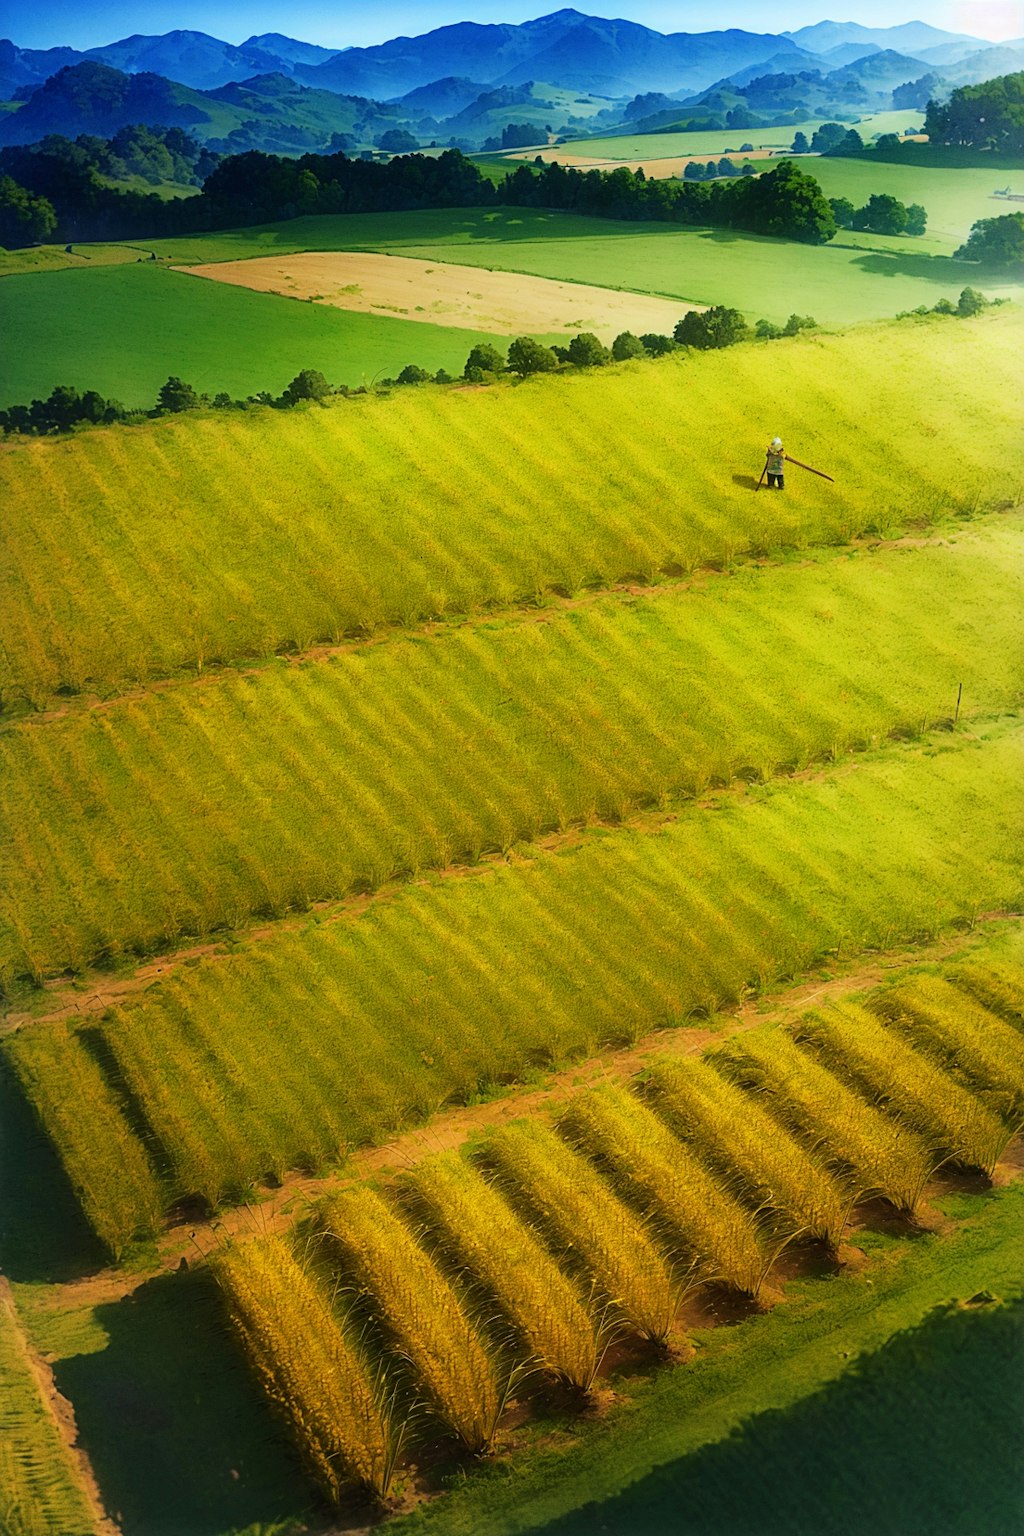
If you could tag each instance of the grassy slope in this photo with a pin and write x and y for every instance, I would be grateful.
(220, 537)
(858, 278)
(122, 329)
(650, 146)
(772, 1432)
(290, 1046)
(954, 198)
(39, 1493)
(595, 712)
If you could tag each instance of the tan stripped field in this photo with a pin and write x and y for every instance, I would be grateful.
(472, 298)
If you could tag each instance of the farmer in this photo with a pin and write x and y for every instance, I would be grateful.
(776, 465)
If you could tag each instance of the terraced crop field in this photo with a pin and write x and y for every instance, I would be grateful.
(408, 811)
(604, 1223)
(222, 538)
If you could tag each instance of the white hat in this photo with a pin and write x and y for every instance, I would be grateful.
(776, 442)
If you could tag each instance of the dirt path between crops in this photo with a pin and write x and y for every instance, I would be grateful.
(95, 993)
(443, 293)
(524, 611)
(62, 1416)
(449, 1129)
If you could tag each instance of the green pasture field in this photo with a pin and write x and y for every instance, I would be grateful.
(39, 1492)
(122, 329)
(478, 739)
(655, 146)
(288, 1050)
(200, 539)
(954, 199)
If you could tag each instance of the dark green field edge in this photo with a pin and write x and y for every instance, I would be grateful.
(289, 1051)
(197, 810)
(869, 1402)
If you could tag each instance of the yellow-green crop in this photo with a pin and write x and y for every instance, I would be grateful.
(128, 554)
(291, 1048)
(200, 806)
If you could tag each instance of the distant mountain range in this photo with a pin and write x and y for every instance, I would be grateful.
(275, 92)
(568, 48)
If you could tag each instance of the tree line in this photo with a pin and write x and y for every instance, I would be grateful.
(255, 188)
(698, 330)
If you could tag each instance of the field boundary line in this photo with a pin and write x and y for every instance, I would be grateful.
(61, 1414)
(452, 1127)
(521, 612)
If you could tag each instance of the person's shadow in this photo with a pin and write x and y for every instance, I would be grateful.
(748, 482)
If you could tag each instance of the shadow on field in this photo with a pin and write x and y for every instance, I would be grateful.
(181, 1443)
(932, 269)
(923, 1438)
(748, 482)
(43, 1234)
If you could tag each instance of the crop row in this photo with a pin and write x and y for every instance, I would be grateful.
(289, 1050)
(134, 553)
(197, 807)
(475, 1278)
(39, 1491)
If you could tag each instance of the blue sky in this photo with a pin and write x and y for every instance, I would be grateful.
(86, 23)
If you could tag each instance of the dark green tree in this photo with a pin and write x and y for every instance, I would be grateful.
(971, 302)
(310, 384)
(526, 356)
(25, 219)
(917, 219)
(176, 395)
(726, 167)
(883, 214)
(485, 359)
(998, 242)
(655, 345)
(765, 330)
(626, 345)
(398, 141)
(693, 171)
(717, 327)
(800, 145)
(412, 373)
(826, 137)
(843, 211)
(797, 323)
(786, 202)
(585, 351)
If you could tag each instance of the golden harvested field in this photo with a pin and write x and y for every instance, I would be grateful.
(506, 303)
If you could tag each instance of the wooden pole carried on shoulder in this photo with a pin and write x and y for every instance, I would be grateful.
(764, 471)
(808, 468)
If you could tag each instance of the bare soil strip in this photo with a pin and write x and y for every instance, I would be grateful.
(440, 293)
(525, 611)
(62, 1416)
(195, 1239)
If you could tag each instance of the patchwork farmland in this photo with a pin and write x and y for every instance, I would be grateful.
(479, 913)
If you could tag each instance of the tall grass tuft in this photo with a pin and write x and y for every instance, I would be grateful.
(952, 1026)
(879, 1156)
(419, 1308)
(106, 1164)
(858, 1048)
(668, 1182)
(499, 1251)
(997, 985)
(310, 1366)
(734, 1131)
(588, 1226)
